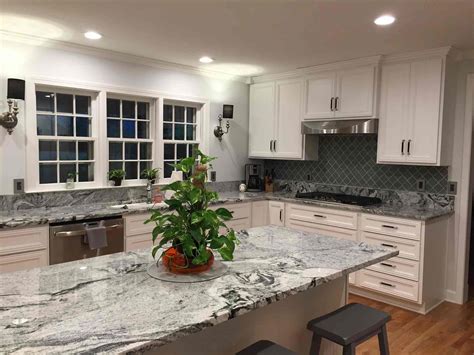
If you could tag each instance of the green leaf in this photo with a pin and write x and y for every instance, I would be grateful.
(226, 254)
(224, 214)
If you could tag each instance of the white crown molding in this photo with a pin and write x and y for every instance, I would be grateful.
(434, 52)
(119, 56)
(372, 60)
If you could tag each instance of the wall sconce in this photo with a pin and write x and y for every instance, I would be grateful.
(16, 91)
(227, 114)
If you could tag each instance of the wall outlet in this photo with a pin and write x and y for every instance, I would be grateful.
(309, 177)
(18, 186)
(452, 187)
(420, 185)
(213, 176)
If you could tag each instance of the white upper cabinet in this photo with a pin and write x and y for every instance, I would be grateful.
(261, 120)
(275, 120)
(345, 93)
(411, 112)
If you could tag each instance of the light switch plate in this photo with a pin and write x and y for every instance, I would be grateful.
(452, 187)
(18, 186)
(213, 176)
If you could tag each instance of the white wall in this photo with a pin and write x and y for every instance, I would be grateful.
(24, 60)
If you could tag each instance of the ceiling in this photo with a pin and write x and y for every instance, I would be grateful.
(247, 37)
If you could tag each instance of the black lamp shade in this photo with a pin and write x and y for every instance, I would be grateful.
(16, 89)
(228, 112)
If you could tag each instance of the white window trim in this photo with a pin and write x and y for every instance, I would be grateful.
(101, 154)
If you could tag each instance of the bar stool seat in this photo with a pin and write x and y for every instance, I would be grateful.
(349, 326)
(265, 347)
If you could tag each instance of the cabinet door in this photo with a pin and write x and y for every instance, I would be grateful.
(289, 139)
(259, 213)
(261, 119)
(355, 92)
(425, 111)
(276, 213)
(393, 120)
(319, 90)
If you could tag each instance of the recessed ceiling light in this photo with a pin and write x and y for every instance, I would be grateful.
(206, 60)
(384, 20)
(92, 35)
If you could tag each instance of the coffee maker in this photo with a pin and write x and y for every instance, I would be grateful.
(254, 177)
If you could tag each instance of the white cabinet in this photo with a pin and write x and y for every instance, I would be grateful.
(347, 93)
(138, 235)
(411, 112)
(276, 213)
(275, 120)
(259, 213)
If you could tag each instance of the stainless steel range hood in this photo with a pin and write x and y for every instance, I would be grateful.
(340, 127)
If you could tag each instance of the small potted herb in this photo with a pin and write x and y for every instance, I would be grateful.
(150, 174)
(116, 175)
(71, 178)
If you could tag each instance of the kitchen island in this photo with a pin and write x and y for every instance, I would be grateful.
(280, 279)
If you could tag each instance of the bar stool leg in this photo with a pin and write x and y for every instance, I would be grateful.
(349, 350)
(315, 345)
(383, 342)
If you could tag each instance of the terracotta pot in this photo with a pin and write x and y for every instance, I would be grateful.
(176, 262)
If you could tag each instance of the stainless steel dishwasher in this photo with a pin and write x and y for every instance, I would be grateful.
(66, 240)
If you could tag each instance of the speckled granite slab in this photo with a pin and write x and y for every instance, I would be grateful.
(110, 304)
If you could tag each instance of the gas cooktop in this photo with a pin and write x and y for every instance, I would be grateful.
(339, 198)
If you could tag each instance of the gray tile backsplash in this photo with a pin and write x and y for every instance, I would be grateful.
(351, 160)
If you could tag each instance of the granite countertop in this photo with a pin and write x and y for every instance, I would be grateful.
(110, 304)
(38, 216)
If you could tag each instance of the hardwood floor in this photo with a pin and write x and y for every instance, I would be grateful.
(448, 329)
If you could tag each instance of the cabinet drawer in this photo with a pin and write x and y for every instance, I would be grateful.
(403, 228)
(23, 261)
(390, 285)
(322, 229)
(134, 224)
(408, 249)
(408, 269)
(142, 241)
(325, 216)
(23, 240)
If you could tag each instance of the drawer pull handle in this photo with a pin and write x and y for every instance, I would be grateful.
(389, 226)
(389, 245)
(320, 216)
(389, 265)
(386, 284)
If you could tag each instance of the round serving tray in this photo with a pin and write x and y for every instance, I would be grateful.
(160, 272)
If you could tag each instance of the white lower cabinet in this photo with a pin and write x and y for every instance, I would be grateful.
(137, 233)
(260, 213)
(276, 213)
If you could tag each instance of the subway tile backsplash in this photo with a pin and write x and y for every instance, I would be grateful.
(351, 160)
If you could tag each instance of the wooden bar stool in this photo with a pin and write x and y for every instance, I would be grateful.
(349, 326)
(265, 347)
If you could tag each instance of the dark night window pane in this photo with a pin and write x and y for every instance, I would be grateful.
(144, 165)
(85, 150)
(45, 125)
(115, 165)
(128, 109)
(179, 132)
(167, 113)
(113, 128)
(167, 131)
(169, 151)
(47, 150)
(131, 171)
(190, 132)
(168, 169)
(145, 151)
(142, 129)
(142, 110)
(86, 172)
(115, 151)
(83, 127)
(64, 170)
(179, 114)
(128, 129)
(181, 151)
(191, 149)
(131, 151)
(65, 126)
(113, 108)
(48, 173)
(190, 114)
(44, 101)
(64, 102)
(83, 104)
(67, 150)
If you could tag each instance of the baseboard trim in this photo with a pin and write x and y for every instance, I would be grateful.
(453, 297)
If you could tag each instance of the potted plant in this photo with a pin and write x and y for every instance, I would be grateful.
(71, 178)
(191, 227)
(116, 175)
(150, 174)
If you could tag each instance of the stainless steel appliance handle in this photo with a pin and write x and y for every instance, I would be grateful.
(79, 233)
